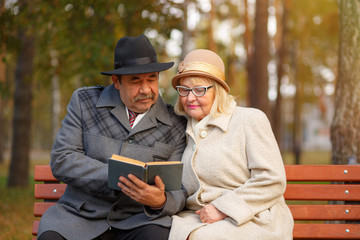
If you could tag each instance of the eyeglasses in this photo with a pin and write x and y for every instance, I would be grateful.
(197, 91)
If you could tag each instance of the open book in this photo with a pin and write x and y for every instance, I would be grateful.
(170, 172)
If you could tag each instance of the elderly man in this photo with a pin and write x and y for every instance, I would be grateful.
(127, 118)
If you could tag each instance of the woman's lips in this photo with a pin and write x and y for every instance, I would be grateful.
(192, 106)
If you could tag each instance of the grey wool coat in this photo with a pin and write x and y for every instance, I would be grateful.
(95, 127)
(234, 163)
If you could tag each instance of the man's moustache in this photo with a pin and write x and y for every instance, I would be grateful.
(144, 97)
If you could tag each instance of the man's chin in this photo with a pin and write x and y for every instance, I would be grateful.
(144, 105)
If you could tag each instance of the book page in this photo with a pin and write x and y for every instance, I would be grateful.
(163, 163)
(127, 160)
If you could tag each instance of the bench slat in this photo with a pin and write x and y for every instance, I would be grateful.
(325, 212)
(41, 207)
(43, 173)
(326, 231)
(322, 172)
(35, 227)
(334, 192)
(49, 191)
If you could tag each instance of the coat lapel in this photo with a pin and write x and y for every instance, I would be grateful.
(110, 97)
(157, 112)
(223, 120)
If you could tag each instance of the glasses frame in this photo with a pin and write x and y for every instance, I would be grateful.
(192, 90)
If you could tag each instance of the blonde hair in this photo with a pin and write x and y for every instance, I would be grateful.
(222, 101)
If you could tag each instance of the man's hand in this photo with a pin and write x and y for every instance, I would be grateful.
(210, 214)
(149, 195)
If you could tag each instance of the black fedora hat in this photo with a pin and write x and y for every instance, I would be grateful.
(136, 55)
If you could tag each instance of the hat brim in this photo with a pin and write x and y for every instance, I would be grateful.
(175, 80)
(139, 69)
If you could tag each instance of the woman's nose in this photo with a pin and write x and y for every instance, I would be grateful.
(191, 96)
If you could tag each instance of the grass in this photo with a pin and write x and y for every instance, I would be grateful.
(16, 204)
(16, 210)
(307, 158)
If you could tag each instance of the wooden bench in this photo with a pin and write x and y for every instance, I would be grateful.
(313, 194)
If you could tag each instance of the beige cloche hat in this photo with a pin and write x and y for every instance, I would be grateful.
(204, 63)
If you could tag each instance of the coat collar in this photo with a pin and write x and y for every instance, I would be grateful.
(110, 97)
(221, 121)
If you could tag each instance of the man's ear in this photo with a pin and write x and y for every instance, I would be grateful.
(116, 81)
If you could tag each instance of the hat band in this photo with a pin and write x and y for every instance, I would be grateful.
(135, 62)
(202, 67)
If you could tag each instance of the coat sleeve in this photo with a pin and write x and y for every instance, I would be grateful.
(267, 180)
(175, 200)
(69, 162)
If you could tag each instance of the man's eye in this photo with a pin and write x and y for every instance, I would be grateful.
(153, 76)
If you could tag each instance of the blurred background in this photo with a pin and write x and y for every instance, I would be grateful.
(295, 60)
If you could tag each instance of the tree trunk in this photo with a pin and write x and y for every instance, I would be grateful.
(231, 65)
(211, 42)
(55, 95)
(297, 109)
(2, 84)
(19, 166)
(280, 43)
(185, 46)
(345, 134)
(259, 75)
(249, 49)
(56, 105)
(2, 107)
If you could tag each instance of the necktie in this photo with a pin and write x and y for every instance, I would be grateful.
(132, 116)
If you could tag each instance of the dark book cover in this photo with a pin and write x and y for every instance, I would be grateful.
(170, 172)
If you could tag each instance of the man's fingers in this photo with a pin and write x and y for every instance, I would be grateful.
(136, 181)
(159, 183)
(124, 180)
(126, 184)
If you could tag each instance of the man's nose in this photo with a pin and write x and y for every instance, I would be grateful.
(145, 88)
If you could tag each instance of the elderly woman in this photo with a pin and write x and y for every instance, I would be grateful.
(233, 170)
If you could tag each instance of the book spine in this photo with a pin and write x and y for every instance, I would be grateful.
(145, 174)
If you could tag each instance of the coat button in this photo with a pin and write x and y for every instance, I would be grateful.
(131, 140)
(203, 134)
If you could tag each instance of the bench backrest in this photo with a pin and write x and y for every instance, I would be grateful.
(322, 199)
(324, 196)
(49, 189)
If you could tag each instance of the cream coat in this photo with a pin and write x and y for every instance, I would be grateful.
(234, 163)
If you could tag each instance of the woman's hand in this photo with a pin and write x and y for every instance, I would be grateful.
(210, 214)
(148, 195)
